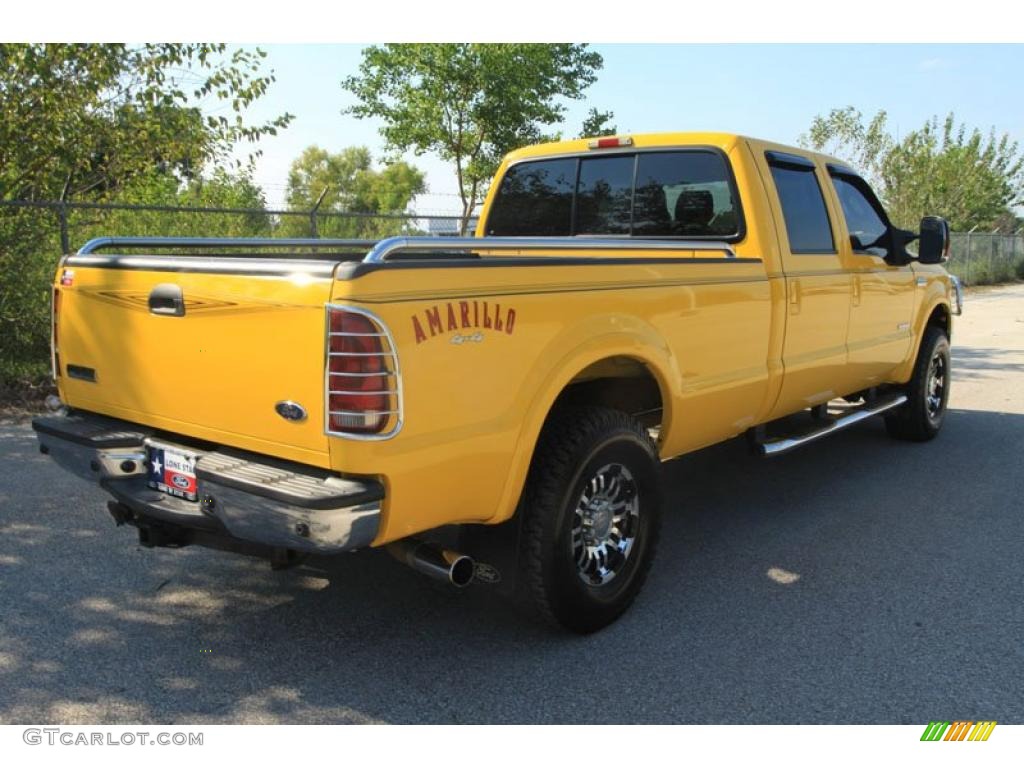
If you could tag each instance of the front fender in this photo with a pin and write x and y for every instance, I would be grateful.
(935, 295)
(595, 339)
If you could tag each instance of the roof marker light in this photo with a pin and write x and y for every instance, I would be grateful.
(609, 142)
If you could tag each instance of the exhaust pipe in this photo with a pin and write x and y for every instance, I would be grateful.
(442, 564)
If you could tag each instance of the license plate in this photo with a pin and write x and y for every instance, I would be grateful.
(172, 471)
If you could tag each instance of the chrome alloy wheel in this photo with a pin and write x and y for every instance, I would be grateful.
(935, 386)
(605, 524)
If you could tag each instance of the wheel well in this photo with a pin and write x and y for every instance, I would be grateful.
(940, 319)
(622, 383)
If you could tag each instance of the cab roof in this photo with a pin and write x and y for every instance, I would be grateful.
(717, 139)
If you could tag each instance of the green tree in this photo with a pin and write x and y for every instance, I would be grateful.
(843, 134)
(81, 120)
(469, 103)
(219, 189)
(349, 184)
(597, 124)
(943, 168)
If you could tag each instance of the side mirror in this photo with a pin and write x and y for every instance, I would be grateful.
(934, 240)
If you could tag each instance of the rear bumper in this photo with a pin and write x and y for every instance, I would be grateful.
(243, 496)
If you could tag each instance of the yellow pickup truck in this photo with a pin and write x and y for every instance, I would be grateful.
(625, 300)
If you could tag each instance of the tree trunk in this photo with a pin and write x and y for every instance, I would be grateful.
(467, 211)
(468, 204)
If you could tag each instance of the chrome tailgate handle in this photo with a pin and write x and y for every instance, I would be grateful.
(167, 299)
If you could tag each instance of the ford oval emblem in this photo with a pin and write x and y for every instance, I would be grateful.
(292, 411)
(181, 481)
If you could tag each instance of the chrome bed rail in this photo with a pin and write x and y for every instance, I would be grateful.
(380, 251)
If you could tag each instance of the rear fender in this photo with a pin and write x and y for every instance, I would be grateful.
(583, 345)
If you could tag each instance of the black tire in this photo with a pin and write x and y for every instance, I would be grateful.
(927, 391)
(612, 457)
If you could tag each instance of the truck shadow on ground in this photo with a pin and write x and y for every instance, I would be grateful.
(974, 363)
(856, 580)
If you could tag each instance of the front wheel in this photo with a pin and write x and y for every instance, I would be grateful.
(927, 392)
(591, 517)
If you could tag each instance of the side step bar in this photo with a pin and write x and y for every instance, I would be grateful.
(783, 444)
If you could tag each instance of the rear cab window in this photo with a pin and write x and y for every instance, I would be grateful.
(686, 194)
(536, 199)
(604, 196)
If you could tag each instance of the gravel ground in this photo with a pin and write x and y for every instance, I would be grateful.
(859, 580)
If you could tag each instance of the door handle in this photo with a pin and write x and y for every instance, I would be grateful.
(856, 290)
(794, 297)
(167, 299)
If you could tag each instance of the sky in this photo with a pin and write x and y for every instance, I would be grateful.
(768, 91)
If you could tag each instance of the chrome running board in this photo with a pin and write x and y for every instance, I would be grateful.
(781, 445)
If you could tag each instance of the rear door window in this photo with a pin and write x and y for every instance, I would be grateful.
(803, 207)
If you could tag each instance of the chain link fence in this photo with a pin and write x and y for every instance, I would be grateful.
(985, 259)
(73, 223)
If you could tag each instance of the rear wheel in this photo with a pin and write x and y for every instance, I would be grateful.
(591, 517)
(927, 392)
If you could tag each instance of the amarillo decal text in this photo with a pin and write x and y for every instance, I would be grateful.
(454, 316)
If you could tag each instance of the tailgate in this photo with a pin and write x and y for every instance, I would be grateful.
(206, 347)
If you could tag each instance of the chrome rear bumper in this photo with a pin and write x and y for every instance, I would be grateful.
(245, 496)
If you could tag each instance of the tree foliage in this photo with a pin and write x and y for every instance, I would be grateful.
(469, 103)
(943, 168)
(219, 189)
(597, 123)
(82, 120)
(349, 183)
(843, 134)
(946, 169)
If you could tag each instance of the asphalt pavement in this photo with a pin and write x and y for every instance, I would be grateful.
(858, 580)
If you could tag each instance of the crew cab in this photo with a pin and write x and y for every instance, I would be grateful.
(497, 407)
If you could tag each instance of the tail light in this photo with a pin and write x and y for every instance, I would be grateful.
(54, 314)
(364, 398)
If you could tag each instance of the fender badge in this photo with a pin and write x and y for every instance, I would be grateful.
(291, 411)
(458, 338)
